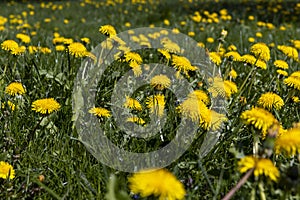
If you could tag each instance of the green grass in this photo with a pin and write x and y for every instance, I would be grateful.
(50, 146)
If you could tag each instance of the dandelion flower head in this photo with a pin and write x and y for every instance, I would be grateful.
(270, 100)
(100, 112)
(77, 49)
(132, 103)
(259, 118)
(261, 51)
(156, 104)
(160, 82)
(6, 170)
(45, 106)
(288, 142)
(160, 183)
(261, 166)
(108, 30)
(14, 89)
(9, 45)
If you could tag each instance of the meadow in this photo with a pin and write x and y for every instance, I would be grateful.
(249, 149)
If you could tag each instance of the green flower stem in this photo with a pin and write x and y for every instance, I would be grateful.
(261, 190)
(255, 144)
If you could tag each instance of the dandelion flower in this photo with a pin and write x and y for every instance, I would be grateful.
(261, 51)
(290, 52)
(215, 58)
(108, 30)
(181, 63)
(135, 119)
(170, 46)
(293, 80)
(230, 88)
(296, 99)
(270, 100)
(156, 104)
(288, 142)
(45, 106)
(9, 45)
(261, 166)
(217, 87)
(18, 51)
(282, 72)
(132, 104)
(165, 53)
(281, 64)
(160, 183)
(77, 49)
(199, 95)
(232, 73)
(23, 37)
(133, 57)
(259, 118)
(235, 56)
(136, 68)
(6, 170)
(160, 82)
(100, 112)
(247, 58)
(14, 89)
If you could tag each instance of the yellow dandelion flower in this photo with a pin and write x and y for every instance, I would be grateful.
(85, 40)
(247, 58)
(288, 51)
(18, 51)
(6, 170)
(160, 82)
(45, 50)
(9, 45)
(270, 100)
(194, 109)
(156, 104)
(181, 63)
(165, 53)
(108, 30)
(288, 142)
(261, 51)
(232, 73)
(100, 112)
(14, 89)
(136, 68)
(233, 55)
(170, 46)
(160, 183)
(251, 39)
(45, 106)
(60, 47)
(136, 120)
(77, 49)
(281, 64)
(232, 48)
(133, 57)
(230, 88)
(217, 87)
(11, 105)
(282, 72)
(261, 166)
(296, 99)
(215, 58)
(259, 118)
(210, 40)
(293, 80)
(200, 95)
(23, 37)
(132, 104)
